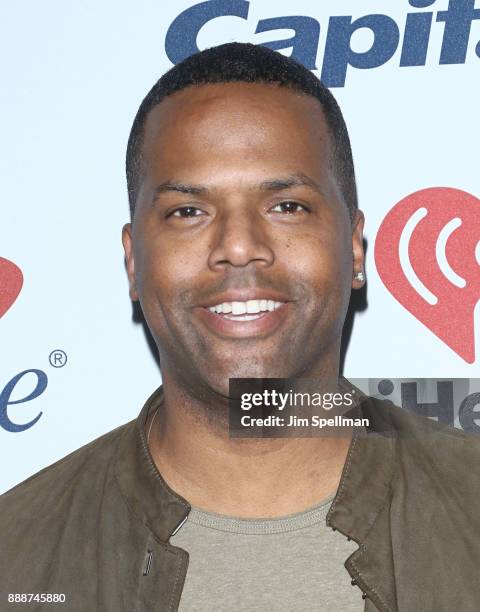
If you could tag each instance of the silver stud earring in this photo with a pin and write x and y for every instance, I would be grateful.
(359, 276)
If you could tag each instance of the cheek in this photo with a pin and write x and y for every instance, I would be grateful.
(320, 259)
(166, 270)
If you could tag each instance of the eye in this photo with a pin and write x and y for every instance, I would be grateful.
(186, 211)
(289, 207)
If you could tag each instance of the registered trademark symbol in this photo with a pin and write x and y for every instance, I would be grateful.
(57, 358)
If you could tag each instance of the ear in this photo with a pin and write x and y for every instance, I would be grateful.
(127, 241)
(357, 249)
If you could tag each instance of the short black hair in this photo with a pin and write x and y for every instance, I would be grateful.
(246, 63)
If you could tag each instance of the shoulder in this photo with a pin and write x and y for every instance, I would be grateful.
(427, 451)
(80, 472)
(385, 416)
(53, 523)
(405, 425)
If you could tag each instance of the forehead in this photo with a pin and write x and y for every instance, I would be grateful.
(254, 121)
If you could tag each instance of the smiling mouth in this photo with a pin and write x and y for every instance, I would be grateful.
(249, 310)
(256, 318)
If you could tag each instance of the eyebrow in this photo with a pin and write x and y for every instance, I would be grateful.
(294, 180)
(179, 188)
(277, 184)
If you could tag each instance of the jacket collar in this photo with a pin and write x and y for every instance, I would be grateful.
(364, 486)
(361, 507)
(145, 491)
(364, 491)
(367, 473)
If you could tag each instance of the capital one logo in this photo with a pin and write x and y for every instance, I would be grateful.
(338, 33)
(427, 253)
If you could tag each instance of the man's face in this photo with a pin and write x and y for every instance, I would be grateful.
(239, 212)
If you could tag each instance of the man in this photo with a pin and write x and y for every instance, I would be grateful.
(244, 245)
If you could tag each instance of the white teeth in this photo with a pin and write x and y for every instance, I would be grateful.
(239, 308)
(253, 306)
(249, 307)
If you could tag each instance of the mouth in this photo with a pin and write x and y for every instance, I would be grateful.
(250, 310)
(248, 318)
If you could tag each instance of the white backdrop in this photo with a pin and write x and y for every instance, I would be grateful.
(73, 75)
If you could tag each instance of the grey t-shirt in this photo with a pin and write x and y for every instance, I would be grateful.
(293, 563)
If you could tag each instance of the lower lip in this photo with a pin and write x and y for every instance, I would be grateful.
(266, 323)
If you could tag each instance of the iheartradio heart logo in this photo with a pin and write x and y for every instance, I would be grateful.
(11, 281)
(427, 253)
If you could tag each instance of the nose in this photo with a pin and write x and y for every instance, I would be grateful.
(241, 238)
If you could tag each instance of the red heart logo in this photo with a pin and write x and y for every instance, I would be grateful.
(11, 281)
(427, 253)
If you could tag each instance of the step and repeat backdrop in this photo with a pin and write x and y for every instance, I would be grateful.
(74, 360)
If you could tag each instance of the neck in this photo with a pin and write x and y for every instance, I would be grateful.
(245, 477)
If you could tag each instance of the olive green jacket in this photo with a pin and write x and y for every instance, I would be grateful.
(95, 526)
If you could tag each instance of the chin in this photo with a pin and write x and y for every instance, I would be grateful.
(220, 380)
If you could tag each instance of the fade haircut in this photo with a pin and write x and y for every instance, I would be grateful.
(245, 63)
